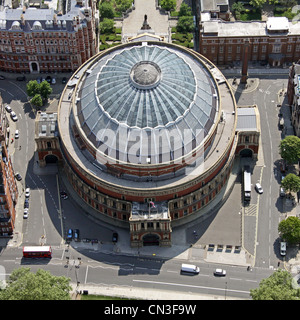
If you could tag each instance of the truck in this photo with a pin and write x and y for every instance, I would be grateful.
(247, 184)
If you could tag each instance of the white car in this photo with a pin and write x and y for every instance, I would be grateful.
(25, 214)
(220, 272)
(17, 134)
(13, 116)
(53, 81)
(27, 192)
(8, 108)
(259, 188)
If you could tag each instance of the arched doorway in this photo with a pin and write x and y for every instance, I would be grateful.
(246, 153)
(50, 159)
(151, 239)
(34, 67)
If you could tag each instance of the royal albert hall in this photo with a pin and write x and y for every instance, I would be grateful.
(147, 134)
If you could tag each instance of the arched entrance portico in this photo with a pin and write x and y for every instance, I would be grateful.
(246, 153)
(151, 239)
(50, 159)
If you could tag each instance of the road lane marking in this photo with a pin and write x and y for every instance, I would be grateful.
(190, 286)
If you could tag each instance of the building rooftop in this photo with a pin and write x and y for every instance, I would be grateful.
(147, 91)
(46, 125)
(247, 119)
(249, 28)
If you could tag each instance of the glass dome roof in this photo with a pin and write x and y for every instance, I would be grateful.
(147, 91)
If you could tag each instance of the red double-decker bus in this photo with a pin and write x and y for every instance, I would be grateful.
(37, 252)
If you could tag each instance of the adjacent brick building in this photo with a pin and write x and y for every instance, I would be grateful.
(47, 40)
(275, 42)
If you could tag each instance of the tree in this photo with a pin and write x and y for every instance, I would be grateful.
(289, 149)
(45, 90)
(257, 3)
(291, 183)
(237, 8)
(106, 10)
(32, 88)
(168, 5)
(185, 10)
(123, 5)
(185, 24)
(276, 287)
(37, 100)
(107, 25)
(42, 285)
(289, 229)
(38, 91)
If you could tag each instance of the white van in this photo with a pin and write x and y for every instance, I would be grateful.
(190, 268)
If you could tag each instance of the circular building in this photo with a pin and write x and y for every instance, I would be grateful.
(147, 133)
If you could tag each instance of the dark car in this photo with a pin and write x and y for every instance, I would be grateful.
(64, 80)
(115, 237)
(2, 78)
(76, 235)
(48, 79)
(64, 195)
(70, 234)
(26, 203)
(18, 176)
(21, 78)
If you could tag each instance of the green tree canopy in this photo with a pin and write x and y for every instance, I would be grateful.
(106, 10)
(289, 229)
(291, 183)
(37, 100)
(107, 25)
(168, 5)
(289, 149)
(32, 88)
(185, 24)
(42, 285)
(257, 3)
(42, 89)
(45, 90)
(185, 10)
(123, 5)
(277, 287)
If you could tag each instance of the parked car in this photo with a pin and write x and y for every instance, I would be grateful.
(2, 78)
(220, 272)
(259, 188)
(115, 237)
(64, 195)
(17, 134)
(13, 116)
(27, 192)
(39, 79)
(283, 248)
(21, 78)
(76, 235)
(64, 80)
(70, 234)
(18, 176)
(25, 214)
(53, 81)
(8, 108)
(26, 203)
(48, 79)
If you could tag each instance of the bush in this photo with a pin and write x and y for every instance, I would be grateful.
(107, 26)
